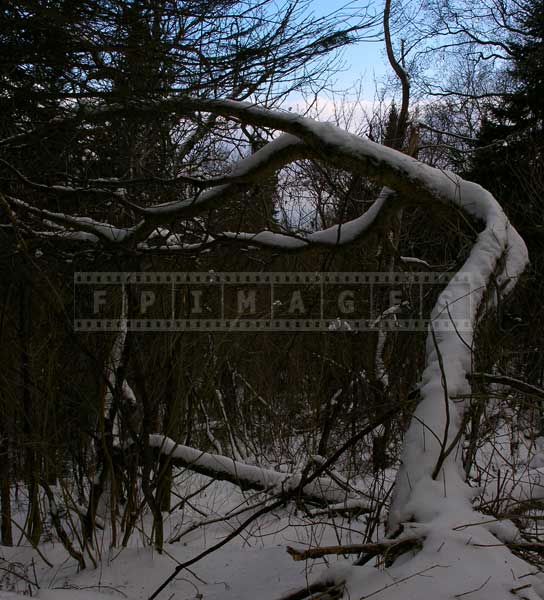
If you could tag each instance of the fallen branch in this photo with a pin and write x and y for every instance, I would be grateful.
(321, 491)
(372, 549)
(316, 489)
(517, 384)
(281, 502)
(351, 508)
(527, 546)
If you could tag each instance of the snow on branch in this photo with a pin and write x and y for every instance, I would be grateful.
(87, 230)
(517, 384)
(102, 231)
(321, 490)
(266, 161)
(337, 235)
(307, 139)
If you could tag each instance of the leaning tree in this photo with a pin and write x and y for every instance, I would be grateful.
(449, 547)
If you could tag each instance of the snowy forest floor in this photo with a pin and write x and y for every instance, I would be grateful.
(256, 564)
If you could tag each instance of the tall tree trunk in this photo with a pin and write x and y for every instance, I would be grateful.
(5, 464)
(164, 483)
(5, 499)
(31, 465)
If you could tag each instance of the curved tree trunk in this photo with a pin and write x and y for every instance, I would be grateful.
(460, 552)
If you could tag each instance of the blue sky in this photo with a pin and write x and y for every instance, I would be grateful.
(365, 60)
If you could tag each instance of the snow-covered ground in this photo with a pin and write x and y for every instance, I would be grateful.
(253, 565)
(256, 563)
